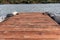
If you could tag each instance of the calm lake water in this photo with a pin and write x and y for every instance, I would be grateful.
(9, 8)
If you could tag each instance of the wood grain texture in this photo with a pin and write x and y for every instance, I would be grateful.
(29, 26)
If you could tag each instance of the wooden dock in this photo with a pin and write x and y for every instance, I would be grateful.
(29, 26)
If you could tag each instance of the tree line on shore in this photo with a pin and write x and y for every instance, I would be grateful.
(28, 1)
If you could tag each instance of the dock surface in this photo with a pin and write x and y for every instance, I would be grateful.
(29, 26)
